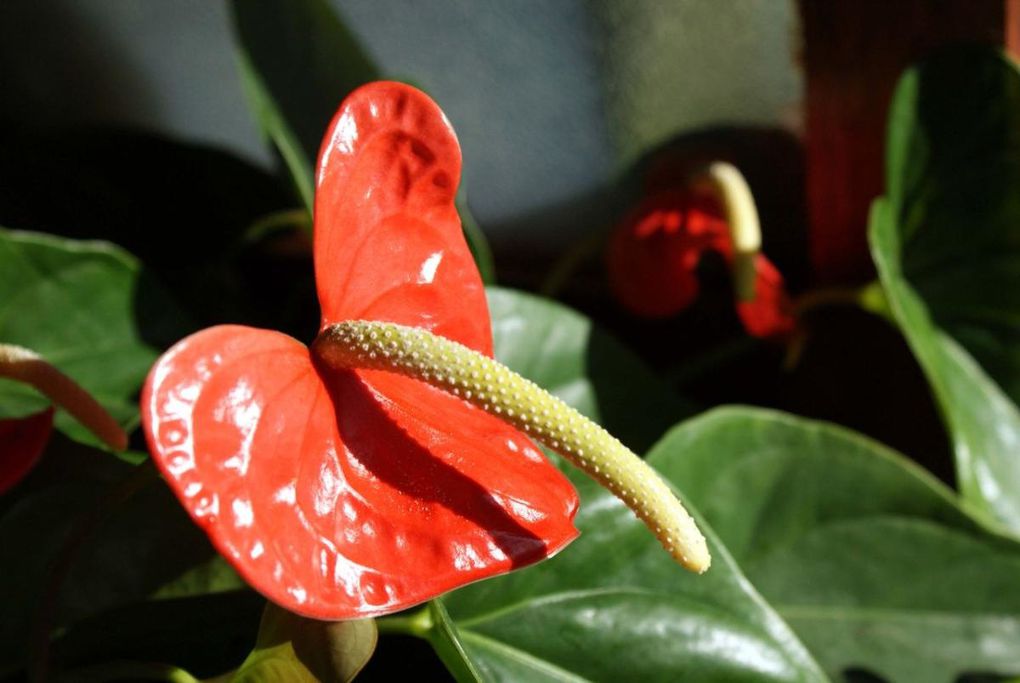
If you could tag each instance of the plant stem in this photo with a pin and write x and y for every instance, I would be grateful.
(287, 218)
(823, 298)
(418, 623)
(30, 368)
(499, 391)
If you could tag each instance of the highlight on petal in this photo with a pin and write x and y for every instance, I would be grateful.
(344, 494)
(22, 442)
(388, 239)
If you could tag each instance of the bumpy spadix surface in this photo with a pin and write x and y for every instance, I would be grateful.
(341, 494)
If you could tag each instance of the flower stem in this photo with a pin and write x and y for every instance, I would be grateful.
(417, 623)
(728, 185)
(497, 390)
(30, 368)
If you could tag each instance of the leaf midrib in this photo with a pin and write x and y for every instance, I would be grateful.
(837, 612)
(521, 656)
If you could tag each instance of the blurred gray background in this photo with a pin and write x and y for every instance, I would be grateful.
(550, 99)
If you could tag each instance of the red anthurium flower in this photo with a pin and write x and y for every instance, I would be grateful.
(653, 257)
(22, 442)
(342, 494)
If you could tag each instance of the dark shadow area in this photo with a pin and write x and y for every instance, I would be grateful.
(635, 405)
(58, 68)
(184, 210)
(397, 459)
(857, 371)
(404, 658)
(207, 635)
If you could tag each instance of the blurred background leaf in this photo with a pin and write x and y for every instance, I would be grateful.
(946, 240)
(89, 309)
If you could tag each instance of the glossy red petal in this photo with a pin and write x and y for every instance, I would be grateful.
(341, 497)
(654, 253)
(770, 314)
(22, 442)
(388, 240)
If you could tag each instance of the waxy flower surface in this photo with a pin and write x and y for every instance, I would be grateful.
(349, 493)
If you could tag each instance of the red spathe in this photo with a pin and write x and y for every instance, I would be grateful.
(349, 494)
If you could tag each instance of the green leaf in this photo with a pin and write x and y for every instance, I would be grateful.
(297, 62)
(564, 353)
(946, 241)
(77, 304)
(476, 241)
(983, 421)
(614, 606)
(206, 635)
(294, 648)
(869, 558)
(445, 640)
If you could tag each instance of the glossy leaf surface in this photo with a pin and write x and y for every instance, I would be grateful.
(947, 243)
(22, 442)
(870, 559)
(612, 606)
(345, 494)
(74, 303)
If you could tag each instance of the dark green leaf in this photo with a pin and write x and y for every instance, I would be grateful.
(76, 304)
(297, 61)
(983, 420)
(181, 209)
(206, 635)
(103, 535)
(614, 606)
(564, 353)
(946, 240)
(295, 648)
(869, 558)
(476, 241)
(442, 634)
